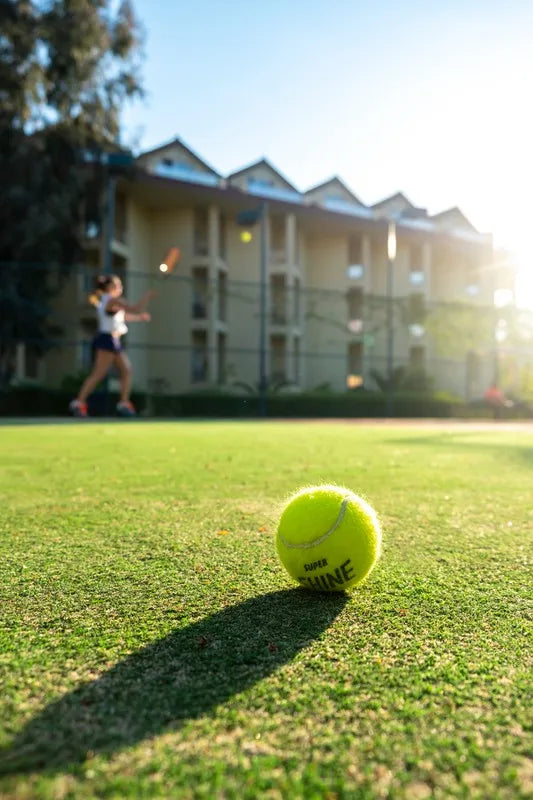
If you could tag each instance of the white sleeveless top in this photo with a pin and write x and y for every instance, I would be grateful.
(110, 323)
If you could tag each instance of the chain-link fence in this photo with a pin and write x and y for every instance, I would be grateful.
(205, 333)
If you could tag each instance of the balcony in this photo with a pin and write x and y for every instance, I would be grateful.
(222, 298)
(94, 238)
(199, 357)
(278, 256)
(416, 277)
(355, 325)
(278, 316)
(355, 272)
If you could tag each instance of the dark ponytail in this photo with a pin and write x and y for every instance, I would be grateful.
(103, 282)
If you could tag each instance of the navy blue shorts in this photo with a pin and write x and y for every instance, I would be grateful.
(104, 341)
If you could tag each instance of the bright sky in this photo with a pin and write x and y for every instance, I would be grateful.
(430, 97)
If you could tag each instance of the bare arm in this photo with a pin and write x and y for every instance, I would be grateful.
(144, 316)
(120, 303)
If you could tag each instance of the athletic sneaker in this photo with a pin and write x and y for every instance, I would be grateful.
(78, 408)
(125, 409)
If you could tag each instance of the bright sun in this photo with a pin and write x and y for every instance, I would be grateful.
(521, 250)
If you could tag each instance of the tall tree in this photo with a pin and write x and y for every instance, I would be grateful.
(66, 69)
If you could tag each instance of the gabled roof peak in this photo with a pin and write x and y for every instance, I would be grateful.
(455, 217)
(393, 198)
(177, 142)
(335, 180)
(263, 162)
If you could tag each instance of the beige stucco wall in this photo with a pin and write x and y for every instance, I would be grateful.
(160, 350)
(169, 331)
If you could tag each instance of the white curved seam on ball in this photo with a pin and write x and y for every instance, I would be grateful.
(315, 542)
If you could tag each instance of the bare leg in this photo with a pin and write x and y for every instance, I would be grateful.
(102, 364)
(123, 365)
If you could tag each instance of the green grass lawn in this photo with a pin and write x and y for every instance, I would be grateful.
(151, 645)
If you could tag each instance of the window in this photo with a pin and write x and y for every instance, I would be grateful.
(199, 293)
(222, 231)
(355, 357)
(222, 296)
(471, 268)
(27, 364)
(473, 372)
(296, 301)
(86, 280)
(417, 330)
(335, 198)
(121, 219)
(416, 308)
(503, 297)
(32, 363)
(260, 183)
(278, 239)
(354, 377)
(416, 258)
(199, 355)
(92, 230)
(355, 309)
(296, 361)
(355, 250)
(278, 351)
(355, 272)
(221, 360)
(502, 329)
(278, 300)
(201, 232)
(416, 277)
(86, 354)
(417, 355)
(473, 365)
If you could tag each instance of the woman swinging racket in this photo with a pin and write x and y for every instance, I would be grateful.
(113, 312)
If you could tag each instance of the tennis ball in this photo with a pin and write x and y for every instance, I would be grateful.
(328, 538)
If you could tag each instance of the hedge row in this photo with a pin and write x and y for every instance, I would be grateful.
(359, 404)
(40, 401)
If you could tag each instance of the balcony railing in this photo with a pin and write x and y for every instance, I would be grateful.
(199, 309)
(120, 234)
(278, 316)
(278, 255)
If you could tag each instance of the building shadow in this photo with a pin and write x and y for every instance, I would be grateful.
(174, 679)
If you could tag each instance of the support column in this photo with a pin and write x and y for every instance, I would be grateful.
(426, 266)
(366, 247)
(290, 239)
(213, 238)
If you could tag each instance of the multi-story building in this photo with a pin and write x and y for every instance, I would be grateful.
(326, 287)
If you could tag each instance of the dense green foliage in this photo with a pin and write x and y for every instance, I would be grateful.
(66, 69)
(41, 401)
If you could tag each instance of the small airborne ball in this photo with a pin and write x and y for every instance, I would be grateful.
(328, 538)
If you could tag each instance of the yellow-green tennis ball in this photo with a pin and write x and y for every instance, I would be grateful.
(328, 538)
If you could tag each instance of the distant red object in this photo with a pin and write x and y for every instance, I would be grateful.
(496, 398)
